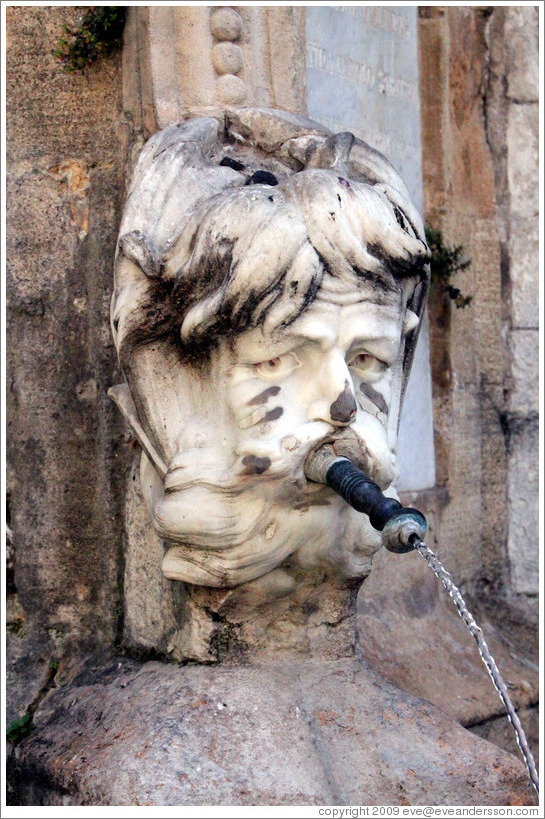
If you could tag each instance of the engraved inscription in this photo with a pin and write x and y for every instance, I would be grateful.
(341, 65)
(379, 17)
(363, 77)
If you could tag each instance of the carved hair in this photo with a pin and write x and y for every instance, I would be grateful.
(232, 255)
(257, 255)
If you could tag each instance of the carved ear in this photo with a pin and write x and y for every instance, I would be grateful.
(411, 321)
(141, 250)
(121, 394)
(332, 153)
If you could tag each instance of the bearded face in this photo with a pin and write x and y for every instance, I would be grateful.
(236, 499)
(255, 323)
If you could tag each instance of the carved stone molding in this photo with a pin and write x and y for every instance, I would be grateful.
(182, 61)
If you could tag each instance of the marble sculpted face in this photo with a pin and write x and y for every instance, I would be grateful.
(257, 317)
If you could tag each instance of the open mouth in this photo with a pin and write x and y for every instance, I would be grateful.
(345, 443)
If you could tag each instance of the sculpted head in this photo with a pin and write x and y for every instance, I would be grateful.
(256, 320)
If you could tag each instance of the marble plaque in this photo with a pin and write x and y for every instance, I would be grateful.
(362, 76)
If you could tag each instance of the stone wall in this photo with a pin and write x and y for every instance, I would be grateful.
(480, 129)
(66, 450)
(478, 69)
(513, 132)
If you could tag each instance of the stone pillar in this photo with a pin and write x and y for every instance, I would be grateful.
(480, 161)
(513, 129)
(467, 350)
(66, 450)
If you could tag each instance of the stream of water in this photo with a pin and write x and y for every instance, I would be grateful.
(487, 658)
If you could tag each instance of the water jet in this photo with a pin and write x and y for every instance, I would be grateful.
(403, 530)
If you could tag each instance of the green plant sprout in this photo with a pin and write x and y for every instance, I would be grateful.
(19, 728)
(99, 34)
(446, 262)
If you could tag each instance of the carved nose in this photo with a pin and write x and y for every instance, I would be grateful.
(335, 402)
(343, 409)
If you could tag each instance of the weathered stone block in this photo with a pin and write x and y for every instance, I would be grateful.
(524, 272)
(494, 465)
(524, 396)
(523, 489)
(285, 733)
(153, 605)
(483, 282)
(52, 114)
(63, 436)
(432, 55)
(462, 518)
(522, 158)
(411, 633)
(471, 174)
(27, 672)
(522, 40)
(367, 90)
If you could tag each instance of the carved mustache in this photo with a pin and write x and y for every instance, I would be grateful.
(348, 443)
(262, 461)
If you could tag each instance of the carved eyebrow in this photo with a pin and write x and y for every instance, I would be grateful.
(382, 347)
(321, 335)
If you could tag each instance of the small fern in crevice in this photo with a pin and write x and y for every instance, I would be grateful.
(99, 34)
(20, 728)
(446, 262)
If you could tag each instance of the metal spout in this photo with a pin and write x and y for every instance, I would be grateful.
(401, 526)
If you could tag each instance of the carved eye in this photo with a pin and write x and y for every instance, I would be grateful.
(367, 366)
(278, 367)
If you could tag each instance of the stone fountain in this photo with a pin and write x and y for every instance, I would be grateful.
(270, 279)
(270, 283)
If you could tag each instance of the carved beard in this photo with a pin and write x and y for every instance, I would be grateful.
(234, 501)
(251, 528)
(232, 522)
